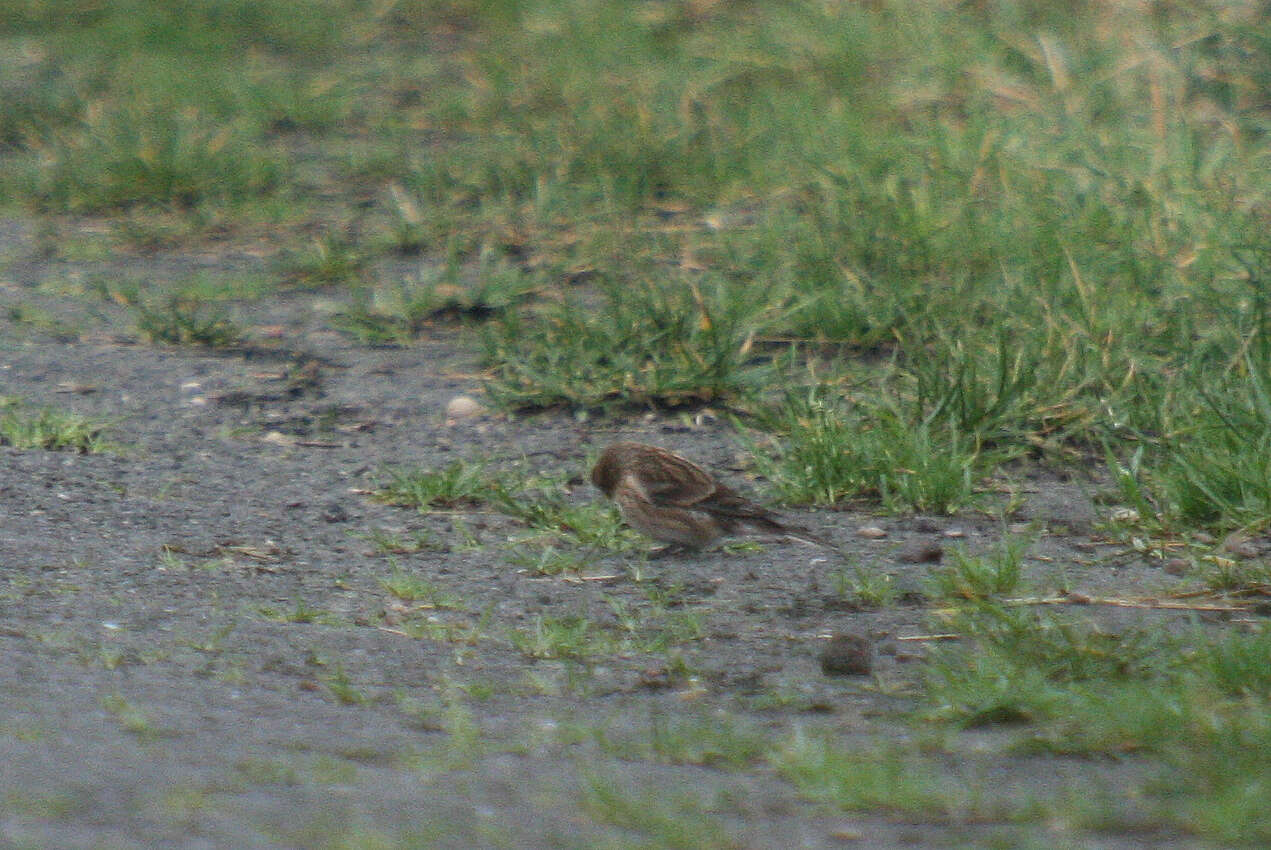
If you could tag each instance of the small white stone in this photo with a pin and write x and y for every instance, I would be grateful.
(463, 407)
(847, 833)
(871, 532)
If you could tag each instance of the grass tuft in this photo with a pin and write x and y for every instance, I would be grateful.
(665, 344)
(48, 429)
(830, 452)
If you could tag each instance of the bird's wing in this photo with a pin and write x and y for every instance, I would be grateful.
(677, 482)
(727, 502)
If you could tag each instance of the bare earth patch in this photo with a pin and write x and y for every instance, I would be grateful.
(213, 636)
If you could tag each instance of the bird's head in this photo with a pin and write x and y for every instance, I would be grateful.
(606, 472)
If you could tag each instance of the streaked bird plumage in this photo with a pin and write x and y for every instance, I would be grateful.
(673, 500)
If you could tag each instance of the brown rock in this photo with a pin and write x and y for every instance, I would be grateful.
(920, 552)
(1240, 546)
(848, 655)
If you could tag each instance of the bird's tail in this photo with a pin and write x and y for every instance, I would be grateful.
(796, 532)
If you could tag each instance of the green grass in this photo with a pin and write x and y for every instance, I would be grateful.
(541, 502)
(1196, 700)
(142, 154)
(650, 343)
(48, 429)
(569, 637)
(459, 483)
(680, 820)
(895, 781)
(866, 587)
(636, 628)
(132, 718)
(1023, 661)
(387, 542)
(718, 742)
(186, 321)
(409, 587)
(326, 261)
(827, 451)
(125, 124)
(342, 688)
(193, 314)
(1217, 467)
(1053, 249)
(300, 612)
(25, 315)
(457, 632)
(969, 576)
(1228, 575)
(48, 805)
(548, 560)
(1191, 707)
(400, 312)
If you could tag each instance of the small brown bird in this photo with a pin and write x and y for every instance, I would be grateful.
(674, 500)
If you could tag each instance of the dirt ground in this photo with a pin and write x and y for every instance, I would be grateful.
(197, 651)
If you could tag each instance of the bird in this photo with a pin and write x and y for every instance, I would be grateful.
(675, 501)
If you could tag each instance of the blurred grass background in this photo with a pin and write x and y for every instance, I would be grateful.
(963, 232)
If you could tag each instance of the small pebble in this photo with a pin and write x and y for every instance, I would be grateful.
(955, 533)
(920, 552)
(846, 833)
(848, 655)
(655, 678)
(871, 532)
(1203, 538)
(1237, 544)
(1126, 515)
(463, 407)
(1176, 566)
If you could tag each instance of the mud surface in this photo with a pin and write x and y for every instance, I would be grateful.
(197, 649)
